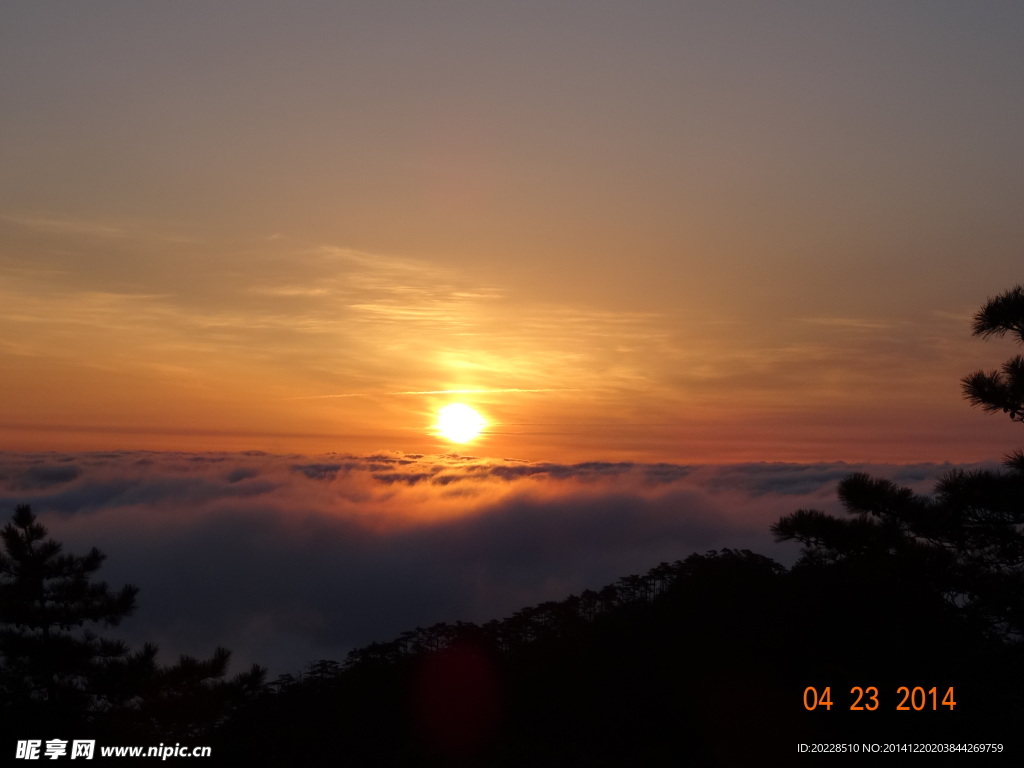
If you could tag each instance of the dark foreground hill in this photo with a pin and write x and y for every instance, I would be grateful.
(899, 626)
(705, 661)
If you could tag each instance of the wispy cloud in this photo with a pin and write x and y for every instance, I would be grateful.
(436, 392)
(857, 323)
(66, 226)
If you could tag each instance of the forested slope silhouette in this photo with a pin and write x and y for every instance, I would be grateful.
(707, 658)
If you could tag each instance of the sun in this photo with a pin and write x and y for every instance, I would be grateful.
(459, 423)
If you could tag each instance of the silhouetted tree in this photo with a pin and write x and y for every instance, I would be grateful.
(1000, 390)
(56, 671)
(50, 657)
(965, 542)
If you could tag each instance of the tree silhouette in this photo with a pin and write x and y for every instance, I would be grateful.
(932, 584)
(56, 671)
(1000, 390)
(46, 598)
(965, 542)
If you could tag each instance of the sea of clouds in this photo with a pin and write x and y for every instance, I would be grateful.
(285, 559)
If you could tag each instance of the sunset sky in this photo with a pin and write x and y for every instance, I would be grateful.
(655, 231)
(692, 262)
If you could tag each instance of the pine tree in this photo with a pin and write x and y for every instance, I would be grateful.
(48, 608)
(1001, 390)
(56, 671)
(964, 543)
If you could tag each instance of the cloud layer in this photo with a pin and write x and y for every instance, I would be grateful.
(288, 558)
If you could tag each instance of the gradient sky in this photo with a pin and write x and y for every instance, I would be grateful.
(661, 231)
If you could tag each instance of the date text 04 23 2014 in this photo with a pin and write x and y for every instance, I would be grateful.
(866, 699)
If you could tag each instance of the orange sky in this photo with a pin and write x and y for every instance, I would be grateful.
(653, 232)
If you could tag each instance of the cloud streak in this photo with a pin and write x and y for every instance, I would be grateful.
(436, 392)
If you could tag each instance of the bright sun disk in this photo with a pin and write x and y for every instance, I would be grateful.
(459, 423)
